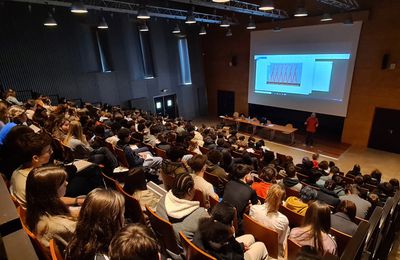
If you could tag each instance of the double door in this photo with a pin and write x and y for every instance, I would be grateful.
(166, 106)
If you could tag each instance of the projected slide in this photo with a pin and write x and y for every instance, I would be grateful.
(301, 74)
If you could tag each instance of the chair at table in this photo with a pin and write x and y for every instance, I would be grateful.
(341, 239)
(192, 252)
(55, 251)
(164, 232)
(261, 233)
(168, 180)
(133, 210)
(41, 251)
(295, 219)
(292, 249)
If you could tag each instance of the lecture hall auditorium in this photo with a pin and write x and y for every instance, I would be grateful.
(199, 129)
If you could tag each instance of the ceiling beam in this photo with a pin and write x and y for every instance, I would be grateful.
(342, 4)
(238, 7)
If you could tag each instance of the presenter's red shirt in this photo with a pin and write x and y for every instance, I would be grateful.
(312, 123)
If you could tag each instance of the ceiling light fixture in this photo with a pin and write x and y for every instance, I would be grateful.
(190, 19)
(103, 24)
(225, 23)
(251, 25)
(220, 1)
(203, 30)
(50, 21)
(301, 12)
(143, 13)
(266, 5)
(78, 8)
(228, 33)
(326, 17)
(176, 29)
(143, 27)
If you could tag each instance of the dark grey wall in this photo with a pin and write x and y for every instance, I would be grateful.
(63, 60)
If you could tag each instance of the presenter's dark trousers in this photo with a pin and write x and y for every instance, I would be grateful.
(309, 138)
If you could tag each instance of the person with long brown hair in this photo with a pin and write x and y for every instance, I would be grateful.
(314, 231)
(100, 218)
(47, 215)
(76, 140)
(269, 216)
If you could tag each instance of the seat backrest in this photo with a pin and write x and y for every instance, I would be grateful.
(311, 186)
(199, 196)
(261, 233)
(109, 182)
(354, 247)
(133, 210)
(121, 157)
(168, 180)
(295, 219)
(55, 251)
(164, 231)
(291, 192)
(292, 249)
(373, 229)
(211, 178)
(41, 251)
(383, 225)
(236, 154)
(110, 147)
(301, 176)
(213, 201)
(370, 187)
(203, 150)
(341, 239)
(160, 152)
(348, 180)
(192, 252)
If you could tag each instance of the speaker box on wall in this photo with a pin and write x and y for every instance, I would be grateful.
(385, 61)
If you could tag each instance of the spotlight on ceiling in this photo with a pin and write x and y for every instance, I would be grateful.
(203, 30)
(143, 27)
(190, 19)
(176, 29)
(50, 21)
(228, 33)
(326, 17)
(220, 1)
(143, 13)
(103, 24)
(225, 23)
(266, 5)
(78, 8)
(251, 25)
(301, 12)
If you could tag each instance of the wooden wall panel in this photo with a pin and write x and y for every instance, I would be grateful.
(371, 87)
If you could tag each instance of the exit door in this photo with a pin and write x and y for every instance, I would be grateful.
(385, 131)
(166, 106)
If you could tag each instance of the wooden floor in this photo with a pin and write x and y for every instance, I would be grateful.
(345, 156)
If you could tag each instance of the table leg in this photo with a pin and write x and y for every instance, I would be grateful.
(272, 136)
(292, 137)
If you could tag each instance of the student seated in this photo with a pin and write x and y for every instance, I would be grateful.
(343, 219)
(134, 241)
(216, 236)
(353, 195)
(300, 205)
(46, 214)
(268, 175)
(100, 218)
(290, 180)
(173, 165)
(314, 231)
(178, 208)
(269, 216)
(328, 195)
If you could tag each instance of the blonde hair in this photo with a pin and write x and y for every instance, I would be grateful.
(75, 130)
(274, 198)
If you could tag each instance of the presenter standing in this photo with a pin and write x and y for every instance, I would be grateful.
(311, 127)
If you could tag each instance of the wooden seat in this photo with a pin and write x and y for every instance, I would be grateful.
(150, 147)
(121, 157)
(373, 229)
(133, 210)
(384, 224)
(164, 232)
(261, 233)
(109, 182)
(354, 247)
(213, 202)
(55, 251)
(301, 176)
(311, 186)
(41, 251)
(168, 180)
(160, 152)
(192, 252)
(341, 239)
(295, 219)
(236, 154)
(203, 150)
(292, 249)
(291, 192)
(199, 196)
(213, 179)
(348, 180)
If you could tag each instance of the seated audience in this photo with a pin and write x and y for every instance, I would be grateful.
(178, 208)
(216, 236)
(61, 129)
(376, 176)
(100, 218)
(214, 158)
(134, 241)
(328, 195)
(315, 157)
(174, 165)
(46, 214)
(269, 216)
(343, 219)
(355, 171)
(290, 180)
(395, 184)
(353, 195)
(268, 177)
(198, 164)
(314, 231)
(300, 205)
